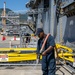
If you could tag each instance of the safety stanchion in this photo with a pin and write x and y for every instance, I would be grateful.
(14, 38)
(3, 38)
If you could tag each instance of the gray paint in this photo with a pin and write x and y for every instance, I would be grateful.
(60, 29)
(63, 31)
(46, 22)
(52, 18)
(69, 34)
(67, 2)
(39, 24)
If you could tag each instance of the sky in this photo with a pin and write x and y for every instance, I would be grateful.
(14, 5)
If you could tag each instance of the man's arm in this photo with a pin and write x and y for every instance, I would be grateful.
(47, 50)
(38, 52)
(38, 47)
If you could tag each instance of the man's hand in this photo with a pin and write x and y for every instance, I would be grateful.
(47, 50)
(44, 53)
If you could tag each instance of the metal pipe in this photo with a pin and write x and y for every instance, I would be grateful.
(4, 8)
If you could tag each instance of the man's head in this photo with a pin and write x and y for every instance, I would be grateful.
(40, 33)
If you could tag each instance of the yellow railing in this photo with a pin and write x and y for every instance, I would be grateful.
(65, 53)
(27, 54)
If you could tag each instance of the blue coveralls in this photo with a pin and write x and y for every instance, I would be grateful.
(48, 61)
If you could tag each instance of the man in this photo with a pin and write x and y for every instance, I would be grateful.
(48, 56)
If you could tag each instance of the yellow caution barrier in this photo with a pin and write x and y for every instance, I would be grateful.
(65, 53)
(28, 54)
